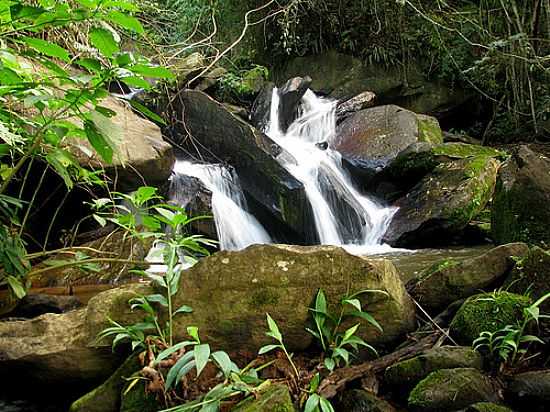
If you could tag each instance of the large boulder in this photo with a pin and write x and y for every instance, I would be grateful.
(443, 202)
(357, 400)
(452, 390)
(283, 281)
(142, 157)
(290, 96)
(342, 76)
(275, 398)
(452, 279)
(487, 312)
(530, 388)
(520, 206)
(370, 139)
(268, 186)
(531, 275)
(408, 373)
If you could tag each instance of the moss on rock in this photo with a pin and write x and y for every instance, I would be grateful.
(429, 130)
(138, 400)
(275, 398)
(451, 390)
(487, 407)
(487, 312)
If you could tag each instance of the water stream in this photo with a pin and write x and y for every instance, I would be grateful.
(342, 215)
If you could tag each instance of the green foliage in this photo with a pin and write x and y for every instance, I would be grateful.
(275, 334)
(509, 345)
(339, 345)
(242, 85)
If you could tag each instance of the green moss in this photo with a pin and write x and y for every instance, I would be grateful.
(459, 150)
(429, 130)
(487, 312)
(264, 297)
(488, 407)
(275, 398)
(438, 267)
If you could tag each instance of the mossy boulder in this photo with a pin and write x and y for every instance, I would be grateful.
(370, 139)
(137, 399)
(520, 206)
(357, 400)
(443, 202)
(452, 390)
(408, 373)
(531, 275)
(276, 398)
(487, 407)
(487, 312)
(453, 279)
(230, 293)
(107, 396)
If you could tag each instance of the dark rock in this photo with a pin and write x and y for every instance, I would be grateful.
(290, 95)
(408, 373)
(531, 275)
(520, 206)
(452, 390)
(343, 76)
(370, 139)
(33, 305)
(487, 312)
(189, 193)
(530, 388)
(261, 108)
(347, 107)
(443, 202)
(450, 279)
(222, 136)
(276, 398)
(357, 400)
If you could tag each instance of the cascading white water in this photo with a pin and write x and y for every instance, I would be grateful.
(343, 216)
(236, 227)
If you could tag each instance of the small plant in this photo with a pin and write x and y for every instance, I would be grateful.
(275, 333)
(315, 402)
(510, 344)
(337, 344)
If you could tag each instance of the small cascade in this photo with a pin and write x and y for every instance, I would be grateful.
(343, 216)
(236, 227)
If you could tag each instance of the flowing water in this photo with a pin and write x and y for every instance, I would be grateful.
(236, 227)
(343, 216)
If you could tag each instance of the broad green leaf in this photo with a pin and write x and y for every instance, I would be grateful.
(172, 349)
(193, 331)
(184, 309)
(16, 286)
(350, 332)
(314, 384)
(98, 141)
(136, 81)
(356, 303)
(175, 370)
(202, 354)
(368, 317)
(267, 348)
(325, 405)
(273, 329)
(126, 21)
(104, 41)
(224, 362)
(329, 364)
(47, 48)
(312, 403)
(152, 71)
(157, 298)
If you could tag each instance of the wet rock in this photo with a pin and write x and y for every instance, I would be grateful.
(107, 396)
(268, 186)
(452, 390)
(530, 388)
(142, 157)
(290, 95)
(487, 407)
(370, 139)
(487, 312)
(531, 274)
(443, 202)
(189, 193)
(276, 398)
(520, 206)
(35, 305)
(279, 282)
(357, 400)
(261, 108)
(347, 107)
(451, 279)
(408, 373)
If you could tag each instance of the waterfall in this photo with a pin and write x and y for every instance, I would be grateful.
(236, 227)
(342, 215)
